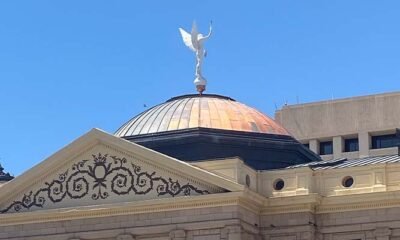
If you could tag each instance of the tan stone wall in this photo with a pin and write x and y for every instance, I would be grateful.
(227, 223)
(313, 205)
(233, 169)
(376, 224)
(367, 224)
(296, 226)
(230, 222)
(343, 118)
(304, 181)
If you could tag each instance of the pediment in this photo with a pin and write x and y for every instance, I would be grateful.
(100, 168)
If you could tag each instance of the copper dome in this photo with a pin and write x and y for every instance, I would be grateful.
(205, 111)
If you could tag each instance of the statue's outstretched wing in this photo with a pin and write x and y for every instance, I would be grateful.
(187, 39)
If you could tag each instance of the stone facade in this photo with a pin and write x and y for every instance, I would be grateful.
(208, 223)
(241, 203)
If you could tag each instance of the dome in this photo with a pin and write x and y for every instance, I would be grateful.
(200, 111)
(197, 127)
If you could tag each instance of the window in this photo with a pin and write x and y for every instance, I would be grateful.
(347, 181)
(248, 181)
(279, 184)
(325, 148)
(307, 145)
(351, 145)
(384, 141)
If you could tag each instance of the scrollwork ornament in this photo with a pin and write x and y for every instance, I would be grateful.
(100, 177)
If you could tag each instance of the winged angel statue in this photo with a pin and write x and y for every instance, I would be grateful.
(195, 42)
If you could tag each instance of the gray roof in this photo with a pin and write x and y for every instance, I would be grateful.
(4, 176)
(345, 163)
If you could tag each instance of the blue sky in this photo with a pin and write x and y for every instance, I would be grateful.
(69, 66)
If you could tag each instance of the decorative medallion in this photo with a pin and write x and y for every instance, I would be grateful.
(100, 177)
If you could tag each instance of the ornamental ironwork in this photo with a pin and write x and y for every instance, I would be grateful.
(100, 177)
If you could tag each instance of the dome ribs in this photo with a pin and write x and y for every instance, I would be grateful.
(194, 114)
(239, 116)
(174, 123)
(139, 119)
(152, 119)
(205, 120)
(214, 115)
(185, 116)
(205, 111)
(166, 119)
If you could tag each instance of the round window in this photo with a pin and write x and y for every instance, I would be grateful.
(347, 181)
(279, 184)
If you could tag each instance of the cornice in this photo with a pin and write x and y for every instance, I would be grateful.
(148, 206)
(295, 208)
(246, 199)
(356, 202)
(320, 205)
(293, 204)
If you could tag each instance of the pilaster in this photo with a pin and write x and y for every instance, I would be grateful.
(364, 144)
(314, 146)
(233, 232)
(337, 147)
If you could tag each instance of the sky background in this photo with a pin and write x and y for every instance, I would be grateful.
(69, 66)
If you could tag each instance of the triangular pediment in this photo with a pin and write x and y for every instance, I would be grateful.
(99, 168)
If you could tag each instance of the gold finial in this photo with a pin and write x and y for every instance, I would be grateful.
(201, 88)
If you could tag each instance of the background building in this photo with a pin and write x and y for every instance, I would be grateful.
(346, 128)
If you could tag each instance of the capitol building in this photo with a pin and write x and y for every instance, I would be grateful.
(207, 167)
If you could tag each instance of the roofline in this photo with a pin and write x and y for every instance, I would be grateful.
(93, 137)
(346, 99)
(199, 96)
